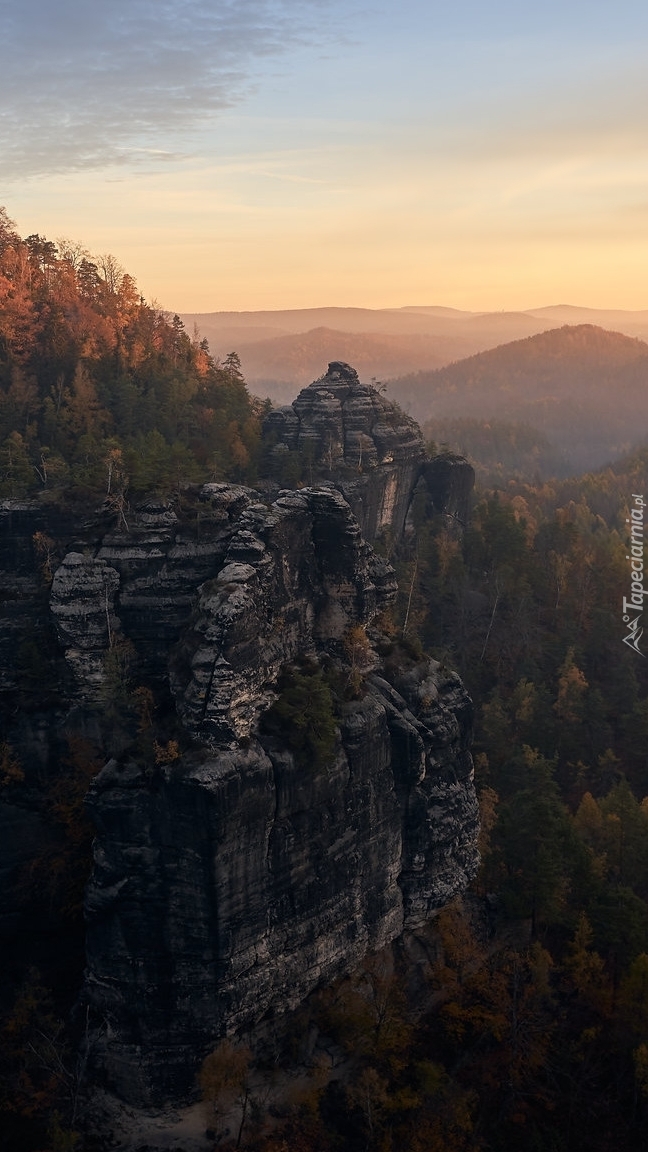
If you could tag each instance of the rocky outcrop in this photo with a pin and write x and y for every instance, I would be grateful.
(162, 559)
(348, 432)
(233, 874)
(71, 583)
(140, 583)
(83, 606)
(239, 880)
(295, 576)
(231, 882)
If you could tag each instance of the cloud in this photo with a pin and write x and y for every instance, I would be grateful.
(87, 83)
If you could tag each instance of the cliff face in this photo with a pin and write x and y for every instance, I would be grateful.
(238, 881)
(347, 432)
(234, 880)
(295, 576)
(140, 584)
(232, 871)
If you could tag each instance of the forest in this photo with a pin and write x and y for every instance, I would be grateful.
(525, 1026)
(101, 393)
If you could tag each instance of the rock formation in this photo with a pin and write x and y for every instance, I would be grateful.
(349, 433)
(233, 873)
(238, 878)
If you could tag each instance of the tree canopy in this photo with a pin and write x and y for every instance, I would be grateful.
(101, 391)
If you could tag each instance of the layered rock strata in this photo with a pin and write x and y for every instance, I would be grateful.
(348, 432)
(140, 584)
(241, 881)
(233, 881)
(294, 577)
(230, 880)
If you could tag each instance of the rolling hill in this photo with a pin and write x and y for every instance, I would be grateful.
(584, 388)
(281, 366)
(283, 350)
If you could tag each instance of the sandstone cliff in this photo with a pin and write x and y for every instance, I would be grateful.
(347, 432)
(236, 879)
(234, 871)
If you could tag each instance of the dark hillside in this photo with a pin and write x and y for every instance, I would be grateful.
(583, 387)
(499, 450)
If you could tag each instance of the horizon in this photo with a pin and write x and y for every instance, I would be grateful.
(283, 152)
(412, 308)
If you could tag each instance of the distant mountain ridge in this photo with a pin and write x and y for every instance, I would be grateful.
(282, 350)
(279, 365)
(585, 388)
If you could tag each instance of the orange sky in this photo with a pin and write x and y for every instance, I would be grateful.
(403, 160)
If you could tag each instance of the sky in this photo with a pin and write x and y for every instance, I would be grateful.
(253, 154)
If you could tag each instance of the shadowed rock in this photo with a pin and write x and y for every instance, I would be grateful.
(237, 879)
(230, 881)
(348, 432)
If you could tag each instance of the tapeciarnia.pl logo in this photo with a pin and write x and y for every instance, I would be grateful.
(633, 607)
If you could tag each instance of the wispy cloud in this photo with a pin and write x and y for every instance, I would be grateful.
(86, 83)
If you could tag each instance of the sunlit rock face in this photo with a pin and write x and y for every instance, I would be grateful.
(295, 576)
(83, 605)
(139, 583)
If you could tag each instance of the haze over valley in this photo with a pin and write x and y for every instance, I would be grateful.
(577, 376)
(282, 349)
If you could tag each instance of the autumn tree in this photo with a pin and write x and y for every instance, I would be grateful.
(225, 1083)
